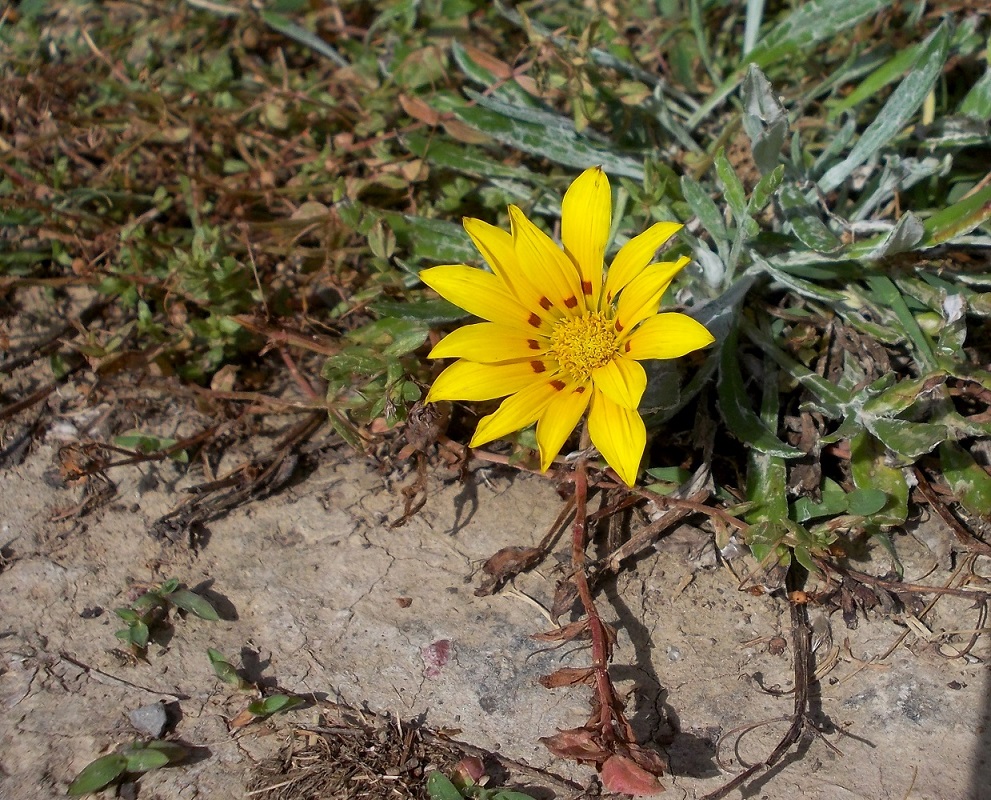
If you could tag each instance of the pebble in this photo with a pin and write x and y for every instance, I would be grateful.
(150, 720)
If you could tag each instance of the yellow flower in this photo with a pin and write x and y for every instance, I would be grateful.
(562, 338)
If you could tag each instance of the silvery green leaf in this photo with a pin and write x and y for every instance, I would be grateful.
(897, 111)
(802, 218)
(898, 175)
(546, 135)
(764, 120)
(902, 238)
(667, 392)
(977, 103)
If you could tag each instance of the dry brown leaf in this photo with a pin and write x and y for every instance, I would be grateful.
(418, 109)
(577, 744)
(622, 774)
(567, 676)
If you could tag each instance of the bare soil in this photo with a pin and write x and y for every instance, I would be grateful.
(322, 598)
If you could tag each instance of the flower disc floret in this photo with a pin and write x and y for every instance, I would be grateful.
(583, 344)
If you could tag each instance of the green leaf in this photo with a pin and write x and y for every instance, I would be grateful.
(224, 669)
(902, 395)
(439, 787)
(832, 398)
(765, 189)
(733, 403)
(194, 604)
(864, 502)
(870, 470)
(149, 443)
(959, 219)
(910, 440)
(969, 482)
(558, 141)
(833, 501)
(767, 476)
(803, 219)
(897, 111)
(431, 312)
(389, 336)
(143, 760)
(977, 103)
(97, 774)
(887, 295)
(810, 23)
(274, 704)
(703, 207)
(764, 120)
(436, 240)
(732, 188)
(889, 72)
(814, 22)
(287, 27)
(463, 158)
(138, 634)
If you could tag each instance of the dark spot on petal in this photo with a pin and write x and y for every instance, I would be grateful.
(545, 303)
(571, 302)
(627, 347)
(587, 288)
(558, 385)
(580, 389)
(619, 326)
(533, 344)
(538, 366)
(534, 320)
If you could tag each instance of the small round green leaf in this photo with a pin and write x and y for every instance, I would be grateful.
(864, 502)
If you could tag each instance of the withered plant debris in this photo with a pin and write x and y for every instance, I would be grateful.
(250, 481)
(352, 754)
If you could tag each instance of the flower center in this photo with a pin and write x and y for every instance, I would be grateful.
(582, 344)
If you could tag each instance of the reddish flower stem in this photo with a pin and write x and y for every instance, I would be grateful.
(600, 650)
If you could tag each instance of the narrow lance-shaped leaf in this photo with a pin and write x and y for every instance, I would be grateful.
(194, 604)
(97, 774)
(897, 111)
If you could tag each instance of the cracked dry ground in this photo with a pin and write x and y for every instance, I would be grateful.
(322, 598)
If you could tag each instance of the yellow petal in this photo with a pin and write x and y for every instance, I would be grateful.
(637, 254)
(488, 342)
(496, 246)
(586, 216)
(642, 296)
(667, 336)
(622, 380)
(558, 421)
(466, 380)
(619, 434)
(480, 293)
(516, 412)
(546, 265)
